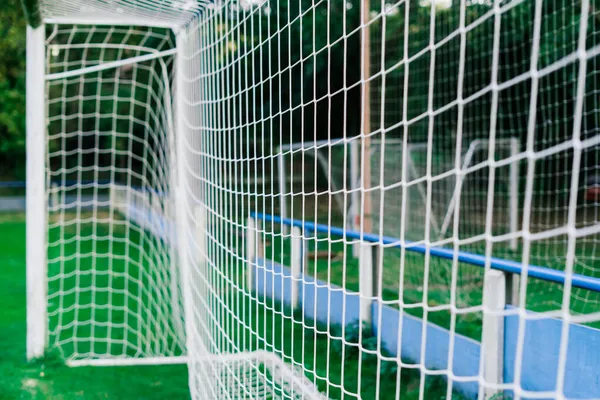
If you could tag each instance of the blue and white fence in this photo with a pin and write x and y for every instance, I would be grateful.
(150, 209)
(537, 355)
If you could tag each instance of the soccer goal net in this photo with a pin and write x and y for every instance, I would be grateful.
(113, 285)
(327, 199)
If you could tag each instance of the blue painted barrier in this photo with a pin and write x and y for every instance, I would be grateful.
(540, 360)
(465, 362)
(324, 302)
(273, 281)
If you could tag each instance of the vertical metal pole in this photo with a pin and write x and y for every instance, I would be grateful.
(250, 252)
(355, 196)
(282, 189)
(366, 254)
(182, 206)
(298, 257)
(512, 280)
(366, 222)
(37, 318)
(514, 193)
(493, 330)
(366, 282)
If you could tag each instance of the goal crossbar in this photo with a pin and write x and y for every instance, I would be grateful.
(110, 65)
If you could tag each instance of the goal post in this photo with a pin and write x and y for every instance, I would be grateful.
(36, 194)
(113, 280)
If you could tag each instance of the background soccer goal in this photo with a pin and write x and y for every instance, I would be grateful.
(334, 168)
(327, 199)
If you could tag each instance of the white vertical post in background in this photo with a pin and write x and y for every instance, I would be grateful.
(366, 282)
(354, 194)
(512, 280)
(251, 245)
(298, 257)
(494, 302)
(282, 189)
(37, 320)
(514, 193)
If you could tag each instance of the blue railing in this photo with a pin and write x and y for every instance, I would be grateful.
(514, 267)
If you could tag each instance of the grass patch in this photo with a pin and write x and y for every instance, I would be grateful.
(49, 378)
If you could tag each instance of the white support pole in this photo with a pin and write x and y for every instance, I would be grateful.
(282, 189)
(366, 282)
(298, 259)
(514, 193)
(250, 252)
(37, 319)
(512, 280)
(182, 205)
(494, 302)
(354, 193)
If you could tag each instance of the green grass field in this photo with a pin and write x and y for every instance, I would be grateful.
(332, 366)
(49, 378)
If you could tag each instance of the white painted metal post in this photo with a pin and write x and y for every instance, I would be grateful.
(366, 282)
(512, 280)
(494, 302)
(354, 193)
(37, 320)
(182, 206)
(514, 193)
(253, 250)
(250, 252)
(298, 258)
(282, 189)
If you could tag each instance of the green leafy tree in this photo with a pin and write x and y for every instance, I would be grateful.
(12, 90)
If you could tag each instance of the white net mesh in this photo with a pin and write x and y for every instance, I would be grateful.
(112, 287)
(425, 156)
(334, 170)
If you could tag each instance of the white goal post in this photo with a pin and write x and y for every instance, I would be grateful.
(327, 199)
(332, 157)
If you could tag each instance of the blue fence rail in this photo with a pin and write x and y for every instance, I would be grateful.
(514, 267)
(541, 337)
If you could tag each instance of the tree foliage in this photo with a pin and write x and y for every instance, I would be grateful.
(12, 89)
